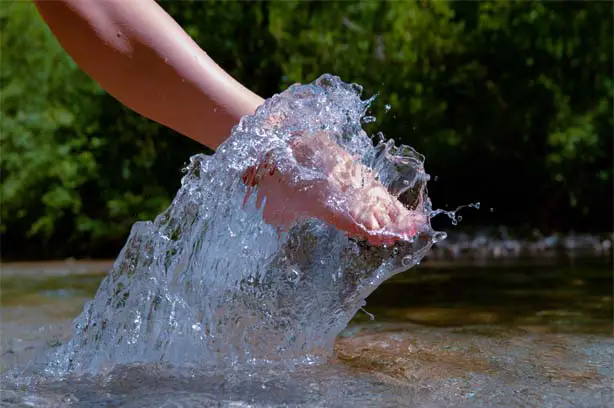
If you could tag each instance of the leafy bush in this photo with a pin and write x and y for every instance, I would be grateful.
(511, 102)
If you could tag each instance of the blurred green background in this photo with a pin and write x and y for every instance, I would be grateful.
(511, 102)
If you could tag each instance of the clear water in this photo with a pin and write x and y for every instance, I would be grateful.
(530, 333)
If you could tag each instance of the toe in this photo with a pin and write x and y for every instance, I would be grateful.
(371, 223)
(382, 216)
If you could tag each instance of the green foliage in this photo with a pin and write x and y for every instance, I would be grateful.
(44, 131)
(76, 166)
(511, 102)
(504, 98)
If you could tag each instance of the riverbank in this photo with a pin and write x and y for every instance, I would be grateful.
(486, 245)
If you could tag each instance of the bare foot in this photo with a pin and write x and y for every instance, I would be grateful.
(346, 194)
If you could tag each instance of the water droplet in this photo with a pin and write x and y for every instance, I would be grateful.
(492, 209)
(371, 316)
(69, 399)
(407, 260)
(369, 119)
(439, 236)
(293, 275)
(387, 107)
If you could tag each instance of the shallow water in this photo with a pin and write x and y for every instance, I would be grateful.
(524, 333)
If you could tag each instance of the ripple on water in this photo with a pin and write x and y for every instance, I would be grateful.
(396, 366)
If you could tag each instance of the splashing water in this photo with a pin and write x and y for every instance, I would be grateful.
(453, 215)
(209, 283)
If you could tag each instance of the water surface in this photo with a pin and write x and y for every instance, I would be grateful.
(524, 333)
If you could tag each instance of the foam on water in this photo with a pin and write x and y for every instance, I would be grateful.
(209, 283)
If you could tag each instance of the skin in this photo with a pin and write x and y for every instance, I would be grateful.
(144, 59)
(349, 197)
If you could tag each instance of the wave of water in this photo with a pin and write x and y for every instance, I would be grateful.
(209, 283)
